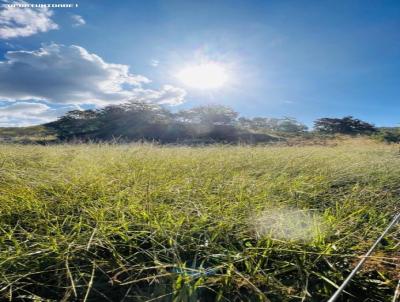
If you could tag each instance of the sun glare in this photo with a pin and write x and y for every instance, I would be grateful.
(209, 75)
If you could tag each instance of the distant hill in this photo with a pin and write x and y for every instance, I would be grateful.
(38, 133)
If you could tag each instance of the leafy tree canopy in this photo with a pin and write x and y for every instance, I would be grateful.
(345, 125)
(137, 120)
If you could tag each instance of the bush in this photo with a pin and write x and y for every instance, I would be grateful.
(389, 135)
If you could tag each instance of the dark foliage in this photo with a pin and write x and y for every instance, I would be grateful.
(345, 125)
(277, 125)
(76, 123)
(143, 121)
(139, 121)
(389, 135)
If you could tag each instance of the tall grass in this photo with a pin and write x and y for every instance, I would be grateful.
(218, 223)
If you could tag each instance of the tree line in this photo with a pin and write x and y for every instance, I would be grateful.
(135, 121)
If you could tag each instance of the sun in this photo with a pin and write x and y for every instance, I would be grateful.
(210, 75)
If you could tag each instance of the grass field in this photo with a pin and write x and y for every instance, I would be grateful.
(218, 223)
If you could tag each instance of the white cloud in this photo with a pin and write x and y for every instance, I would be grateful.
(168, 95)
(24, 21)
(29, 113)
(61, 75)
(77, 20)
(21, 107)
(70, 74)
(154, 63)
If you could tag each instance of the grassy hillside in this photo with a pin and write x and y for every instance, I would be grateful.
(26, 134)
(219, 223)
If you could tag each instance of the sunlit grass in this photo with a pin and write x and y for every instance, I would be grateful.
(140, 222)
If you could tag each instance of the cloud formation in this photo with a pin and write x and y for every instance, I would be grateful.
(24, 21)
(77, 20)
(168, 95)
(61, 76)
(71, 75)
(29, 113)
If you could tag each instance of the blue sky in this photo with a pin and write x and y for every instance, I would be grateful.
(305, 59)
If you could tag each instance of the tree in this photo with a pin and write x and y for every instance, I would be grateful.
(211, 122)
(290, 125)
(286, 125)
(345, 125)
(209, 115)
(133, 121)
(76, 124)
(136, 120)
(265, 123)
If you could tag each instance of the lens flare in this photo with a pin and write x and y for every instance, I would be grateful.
(289, 224)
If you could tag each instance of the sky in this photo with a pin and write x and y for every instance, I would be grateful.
(302, 59)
